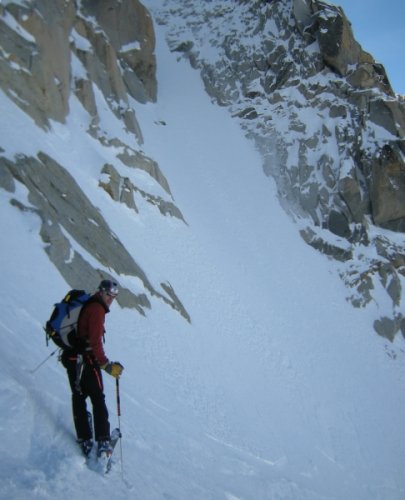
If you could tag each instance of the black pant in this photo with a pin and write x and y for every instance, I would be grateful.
(91, 385)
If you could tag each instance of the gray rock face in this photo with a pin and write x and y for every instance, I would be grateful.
(52, 50)
(68, 217)
(116, 49)
(388, 188)
(35, 61)
(129, 29)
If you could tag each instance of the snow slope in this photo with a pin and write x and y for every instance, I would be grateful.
(278, 389)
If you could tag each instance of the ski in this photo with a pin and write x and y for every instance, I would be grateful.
(107, 459)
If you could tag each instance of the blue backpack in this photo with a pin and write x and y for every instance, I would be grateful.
(61, 326)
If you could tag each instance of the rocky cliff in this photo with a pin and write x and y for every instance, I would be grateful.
(326, 120)
(102, 55)
(318, 107)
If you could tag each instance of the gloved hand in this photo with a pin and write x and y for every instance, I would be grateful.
(113, 368)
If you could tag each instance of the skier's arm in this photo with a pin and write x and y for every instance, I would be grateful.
(95, 333)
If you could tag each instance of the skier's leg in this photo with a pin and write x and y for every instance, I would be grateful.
(79, 408)
(80, 417)
(95, 390)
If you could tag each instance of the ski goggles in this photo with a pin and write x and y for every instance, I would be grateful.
(113, 291)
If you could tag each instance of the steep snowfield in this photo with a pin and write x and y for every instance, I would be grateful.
(278, 389)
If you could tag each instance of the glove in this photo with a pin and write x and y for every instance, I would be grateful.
(113, 368)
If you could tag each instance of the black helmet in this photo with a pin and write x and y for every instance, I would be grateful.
(109, 287)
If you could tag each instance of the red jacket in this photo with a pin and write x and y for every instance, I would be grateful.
(91, 327)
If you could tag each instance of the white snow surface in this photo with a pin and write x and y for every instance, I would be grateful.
(278, 389)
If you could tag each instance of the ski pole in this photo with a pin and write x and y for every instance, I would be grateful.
(117, 386)
(44, 361)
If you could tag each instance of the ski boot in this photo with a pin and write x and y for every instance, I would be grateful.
(86, 446)
(104, 448)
